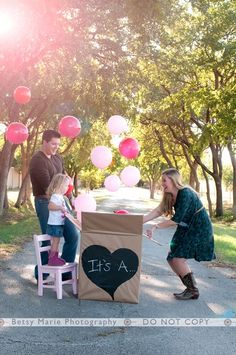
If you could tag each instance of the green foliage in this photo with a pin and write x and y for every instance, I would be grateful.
(91, 178)
(150, 160)
(228, 177)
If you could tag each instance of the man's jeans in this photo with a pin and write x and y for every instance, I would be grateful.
(71, 234)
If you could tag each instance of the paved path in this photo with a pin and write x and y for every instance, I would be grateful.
(218, 294)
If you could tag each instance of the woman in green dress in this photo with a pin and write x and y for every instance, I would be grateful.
(193, 238)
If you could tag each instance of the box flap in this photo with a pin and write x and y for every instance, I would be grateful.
(112, 223)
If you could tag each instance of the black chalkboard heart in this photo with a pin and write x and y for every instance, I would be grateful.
(109, 270)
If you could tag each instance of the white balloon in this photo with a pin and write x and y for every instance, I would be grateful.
(85, 203)
(130, 176)
(112, 183)
(117, 124)
(101, 156)
(3, 128)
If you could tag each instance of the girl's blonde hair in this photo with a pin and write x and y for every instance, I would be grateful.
(167, 202)
(57, 181)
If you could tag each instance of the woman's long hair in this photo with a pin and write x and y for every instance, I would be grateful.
(167, 202)
(57, 182)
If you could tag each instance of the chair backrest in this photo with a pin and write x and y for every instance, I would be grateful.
(38, 248)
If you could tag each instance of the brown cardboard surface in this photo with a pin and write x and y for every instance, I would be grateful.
(110, 257)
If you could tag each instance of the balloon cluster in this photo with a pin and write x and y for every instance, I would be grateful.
(17, 133)
(70, 127)
(101, 156)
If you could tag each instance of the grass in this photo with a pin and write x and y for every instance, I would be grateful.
(16, 227)
(227, 218)
(225, 243)
(225, 237)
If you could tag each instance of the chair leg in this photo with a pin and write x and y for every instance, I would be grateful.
(55, 282)
(74, 282)
(59, 285)
(40, 283)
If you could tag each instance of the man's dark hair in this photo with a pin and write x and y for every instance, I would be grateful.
(49, 134)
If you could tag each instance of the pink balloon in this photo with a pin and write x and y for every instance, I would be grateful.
(117, 124)
(121, 212)
(69, 126)
(17, 133)
(112, 183)
(85, 203)
(22, 95)
(130, 176)
(101, 156)
(129, 148)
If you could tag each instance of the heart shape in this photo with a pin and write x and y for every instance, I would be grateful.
(109, 270)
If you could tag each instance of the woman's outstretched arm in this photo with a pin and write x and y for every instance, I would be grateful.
(153, 214)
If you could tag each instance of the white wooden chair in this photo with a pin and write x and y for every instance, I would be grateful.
(56, 271)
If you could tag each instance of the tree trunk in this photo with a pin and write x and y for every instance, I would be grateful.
(217, 176)
(208, 193)
(233, 161)
(7, 155)
(6, 202)
(5, 163)
(216, 151)
(193, 178)
(24, 193)
(219, 197)
(76, 184)
(194, 172)
(152, 189)
(162, 149)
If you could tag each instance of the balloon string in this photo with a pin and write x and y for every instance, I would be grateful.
(153, 240)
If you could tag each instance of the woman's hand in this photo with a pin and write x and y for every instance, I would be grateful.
(150, 231)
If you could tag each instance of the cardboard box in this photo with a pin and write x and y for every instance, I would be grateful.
(110, 257)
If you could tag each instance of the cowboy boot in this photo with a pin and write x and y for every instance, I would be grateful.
(180, 293)
(191, 293)
(55, 260)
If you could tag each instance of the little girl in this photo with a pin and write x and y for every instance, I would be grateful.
(57, 209)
